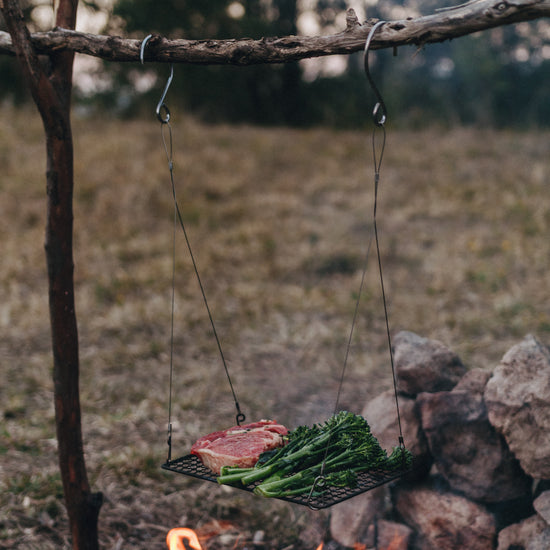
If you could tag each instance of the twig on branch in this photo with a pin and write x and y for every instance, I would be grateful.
(446, 24)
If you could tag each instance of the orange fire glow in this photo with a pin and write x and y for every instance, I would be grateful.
(175, 537)
(396, 542)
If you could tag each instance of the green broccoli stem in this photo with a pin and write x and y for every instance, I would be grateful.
(342, 461)
(232, 477)
(289, 459)
(227, 470)
(278, 453)
(285, 494)
(279, 474)
(262, 469)
(284, 485)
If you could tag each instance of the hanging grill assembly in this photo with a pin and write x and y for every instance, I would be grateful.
(322, 495)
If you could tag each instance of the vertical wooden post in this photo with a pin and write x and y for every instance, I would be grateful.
(51, 87)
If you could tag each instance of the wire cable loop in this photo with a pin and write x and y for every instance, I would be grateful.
(379, 117)
(379, 120)
(178, 218)
(163, 115)
(240, 417)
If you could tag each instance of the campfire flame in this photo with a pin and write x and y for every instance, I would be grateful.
(175, 537)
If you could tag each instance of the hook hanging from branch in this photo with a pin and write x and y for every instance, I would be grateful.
(379, 113)
(161, 106)
(162, 111)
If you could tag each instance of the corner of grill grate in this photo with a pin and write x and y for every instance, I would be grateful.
(190, 465)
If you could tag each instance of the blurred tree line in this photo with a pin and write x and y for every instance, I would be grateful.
(499, 77)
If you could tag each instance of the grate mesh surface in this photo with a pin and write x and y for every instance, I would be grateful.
(190, 465)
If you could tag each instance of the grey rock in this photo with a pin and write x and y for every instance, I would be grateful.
(519, 535)
(381, 414)
(518, 403)
(474, 381)
(391, 535)
(350, 520)
(467, 450)
(542, 506)
(541, 541)
(445, 521)
(424, 365)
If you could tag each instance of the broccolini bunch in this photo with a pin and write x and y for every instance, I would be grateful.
(336, 450)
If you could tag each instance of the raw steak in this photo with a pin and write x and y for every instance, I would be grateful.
(240, 445)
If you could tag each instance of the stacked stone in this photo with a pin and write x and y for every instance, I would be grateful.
(481, 442)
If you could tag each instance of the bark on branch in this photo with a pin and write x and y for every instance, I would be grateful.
(445, 24)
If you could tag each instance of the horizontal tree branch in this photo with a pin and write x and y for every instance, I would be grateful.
(444, 24)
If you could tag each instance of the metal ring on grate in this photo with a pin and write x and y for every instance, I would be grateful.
(190, 465)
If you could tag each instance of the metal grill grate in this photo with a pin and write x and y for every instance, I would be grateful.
(190, 465)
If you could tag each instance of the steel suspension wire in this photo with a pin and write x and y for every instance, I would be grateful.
(377, 164)
(178, 218)
(379, 120)
(163, 115)
(379, 116)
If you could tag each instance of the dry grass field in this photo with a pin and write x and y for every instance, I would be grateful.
(279, 220)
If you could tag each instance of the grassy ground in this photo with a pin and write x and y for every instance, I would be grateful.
(279, 220)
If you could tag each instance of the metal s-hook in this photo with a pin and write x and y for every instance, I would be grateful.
(161, 106)
(162, 111)
(379, 113)
(319, 482)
